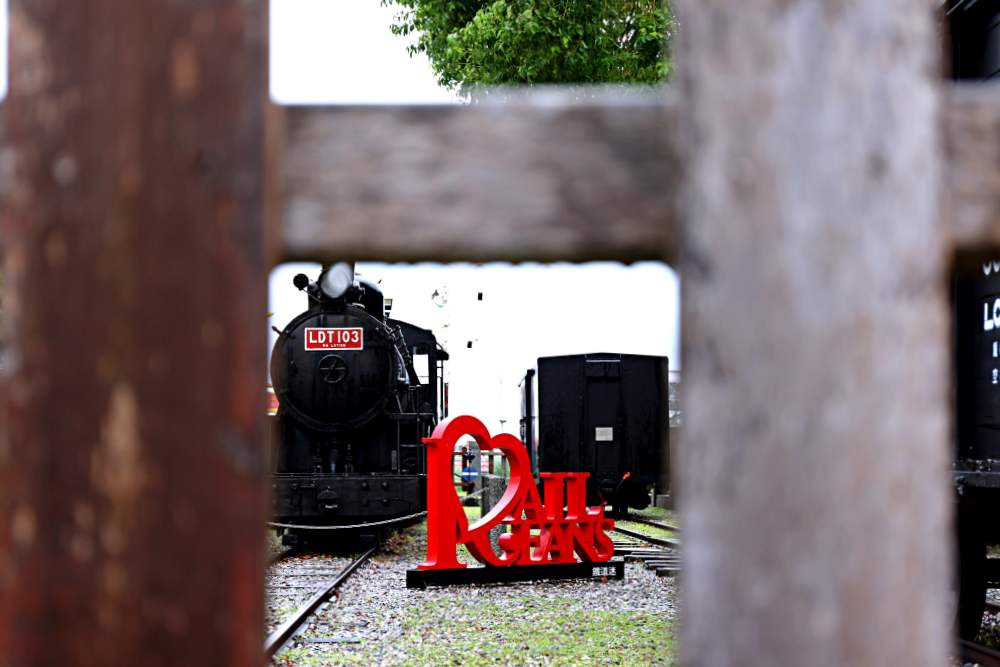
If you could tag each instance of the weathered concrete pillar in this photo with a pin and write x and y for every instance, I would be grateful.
(816, 492)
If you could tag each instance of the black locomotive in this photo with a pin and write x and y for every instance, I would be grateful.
(602, 413)
(346, 440)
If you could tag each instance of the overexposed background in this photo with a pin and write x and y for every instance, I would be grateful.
(342, 52)
(527, 311)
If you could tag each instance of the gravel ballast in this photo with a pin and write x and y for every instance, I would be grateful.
(377, 620)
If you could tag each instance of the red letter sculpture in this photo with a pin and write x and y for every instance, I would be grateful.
(566, 526)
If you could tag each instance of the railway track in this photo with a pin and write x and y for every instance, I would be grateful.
(667, 542)
(658, 554)
(651, 522)
(291, 626)
(970, 652)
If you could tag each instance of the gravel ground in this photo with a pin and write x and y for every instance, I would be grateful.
(292, 581)
(379, 621)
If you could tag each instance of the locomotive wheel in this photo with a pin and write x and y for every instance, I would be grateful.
(971, 578)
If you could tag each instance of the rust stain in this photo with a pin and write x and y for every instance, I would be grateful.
(23, 527)
(204, 22)
(114, 579)
(184, 70)
(81, 548)
(65, 170)
(81, 544)
(34, 74)
(116, 467)
(130, 179)
(56, 250)
(211, 333)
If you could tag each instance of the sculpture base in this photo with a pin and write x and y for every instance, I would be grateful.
(612, 569)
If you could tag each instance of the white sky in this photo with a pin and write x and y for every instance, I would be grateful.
(342, 52)
(527, 311)
(331, 52)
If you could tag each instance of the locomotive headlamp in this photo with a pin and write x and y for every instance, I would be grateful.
(336, 280)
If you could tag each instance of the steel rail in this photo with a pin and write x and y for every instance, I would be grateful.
(352, 526)
(654, 524)
(659, 541)
(284, 632)
(978, 654)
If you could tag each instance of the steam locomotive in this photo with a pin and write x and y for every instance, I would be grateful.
(356, 391)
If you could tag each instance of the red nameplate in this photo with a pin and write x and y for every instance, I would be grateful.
(335, 338)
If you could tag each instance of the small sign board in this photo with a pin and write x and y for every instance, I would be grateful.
(604, 433)
(334, 338)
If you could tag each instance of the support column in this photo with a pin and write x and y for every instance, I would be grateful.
(132, 496)
(816, 444)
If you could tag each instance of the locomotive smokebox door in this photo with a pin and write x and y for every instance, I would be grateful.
(334, 370)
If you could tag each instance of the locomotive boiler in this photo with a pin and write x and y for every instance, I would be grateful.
(357, 391)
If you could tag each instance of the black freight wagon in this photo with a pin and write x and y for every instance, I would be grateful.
(976, 294)
(973, 46)
(601, 413)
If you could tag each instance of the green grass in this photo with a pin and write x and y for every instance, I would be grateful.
(659, 514)
(524, 631)
(489, 630)
(532, 631)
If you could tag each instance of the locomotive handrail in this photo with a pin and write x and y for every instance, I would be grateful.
(384, 522)
(399, 519)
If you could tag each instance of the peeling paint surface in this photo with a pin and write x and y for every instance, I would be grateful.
(131, 156)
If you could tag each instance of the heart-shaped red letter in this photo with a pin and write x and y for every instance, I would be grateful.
(581, 529)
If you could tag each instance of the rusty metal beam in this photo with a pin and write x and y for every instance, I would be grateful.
(816, 350)
(543, 175)
(131, 468)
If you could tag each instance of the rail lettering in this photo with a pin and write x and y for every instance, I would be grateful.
(566, 527)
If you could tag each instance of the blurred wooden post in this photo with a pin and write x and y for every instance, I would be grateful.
(131, 197)
(132, 501)
(815, 482)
